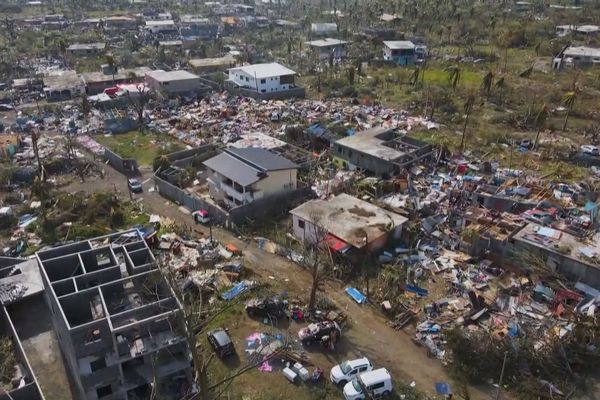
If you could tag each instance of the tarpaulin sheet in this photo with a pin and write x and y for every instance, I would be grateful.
(336, 244)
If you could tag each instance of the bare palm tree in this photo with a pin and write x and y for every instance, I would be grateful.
(487, 82)
(540, 122)
(468, 109)
(454, 75)
(568, 100)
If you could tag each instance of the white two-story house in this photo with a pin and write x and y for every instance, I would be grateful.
(242, 176)
(263, 78)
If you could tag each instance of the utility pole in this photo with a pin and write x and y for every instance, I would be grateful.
(129, 189)
(501, 376)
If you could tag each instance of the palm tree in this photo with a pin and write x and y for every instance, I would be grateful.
(34, 143)
(62, 45)
(487, 82)
(501, 87)
(568, 101)
(414, 77)
(540, 122)
(468, 108)
(453, 75)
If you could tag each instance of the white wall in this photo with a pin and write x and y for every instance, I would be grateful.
(277, 182)
(266, 85)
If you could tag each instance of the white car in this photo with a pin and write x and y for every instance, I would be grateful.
(377, 383)
(348, 370)
(589, 149)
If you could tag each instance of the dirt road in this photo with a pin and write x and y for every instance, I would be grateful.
(369, 333)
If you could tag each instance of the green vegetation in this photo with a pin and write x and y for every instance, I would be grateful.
(80, 216)
(144, 147)
(7, 361)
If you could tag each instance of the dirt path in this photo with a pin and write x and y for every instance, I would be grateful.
(369, 333)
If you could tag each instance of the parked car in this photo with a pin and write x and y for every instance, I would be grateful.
(348, 370)
(6, 107)
(272, 307)
(201, 217)
(377, 384)
(135, 185)
(221, 342)
(589, 149)
(315, 332)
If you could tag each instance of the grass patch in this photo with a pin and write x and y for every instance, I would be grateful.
(144, 147)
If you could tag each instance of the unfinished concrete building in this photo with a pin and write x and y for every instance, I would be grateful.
(117, 320)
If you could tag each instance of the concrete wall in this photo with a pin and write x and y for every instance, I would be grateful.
(179, 196)
(276, 182)
(123, 165)
(31, 389)
(176, 86)
(297, 92)
(571, 268)
(265, 85)
(184, 158)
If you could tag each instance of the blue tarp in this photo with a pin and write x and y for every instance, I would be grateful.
(236, 290)
(443, 388)
(415, 289)
(356, 295)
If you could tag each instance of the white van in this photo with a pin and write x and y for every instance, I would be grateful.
(377, 383)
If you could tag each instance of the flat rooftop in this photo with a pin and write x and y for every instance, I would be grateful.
(399, 44)
(582, 51)
(63, 80)
(170, 76)
(226, 60)
(87, 46)
(327, 43)
(261, 71)
(562, 243)
(372, 142)
(99, 76)
(349, 219)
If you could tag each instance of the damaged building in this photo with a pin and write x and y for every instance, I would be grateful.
(344, 223)
(379, 151)
(117, 320)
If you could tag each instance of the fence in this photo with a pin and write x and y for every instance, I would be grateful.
(259, 209)
(184, 158)
(180, 196)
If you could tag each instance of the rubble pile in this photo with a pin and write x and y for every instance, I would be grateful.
(224, 118)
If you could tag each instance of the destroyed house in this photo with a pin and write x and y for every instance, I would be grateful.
(345, 223)
(19, 280)
(23, 383)
(575, 254)
(510, 197)
(484, 231)
(379, 151)
(241, 176)
(577, 56)
(110, 76)
(117, 320)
